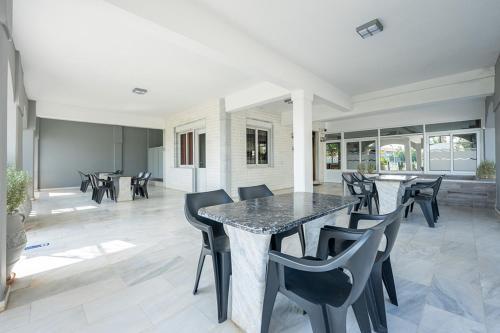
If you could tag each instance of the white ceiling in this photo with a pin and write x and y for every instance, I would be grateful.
(421, 39)
(92, 54)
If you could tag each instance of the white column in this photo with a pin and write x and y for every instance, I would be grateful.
(302, 141)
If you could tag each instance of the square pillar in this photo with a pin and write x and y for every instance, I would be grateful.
(302, 141)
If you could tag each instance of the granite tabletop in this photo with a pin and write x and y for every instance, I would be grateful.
(395, 178)
(278, 213)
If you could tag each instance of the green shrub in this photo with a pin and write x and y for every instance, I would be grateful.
(17, 183)
(486, 170)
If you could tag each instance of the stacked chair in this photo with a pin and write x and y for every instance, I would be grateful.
(85, 181)
(363, 190)
(140, 185)
(100, 187)
(425, 195)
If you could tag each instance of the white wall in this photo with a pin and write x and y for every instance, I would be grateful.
(279, 175)
(181, 178)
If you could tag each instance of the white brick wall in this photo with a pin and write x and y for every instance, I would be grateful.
(181, 178)
(277, 176)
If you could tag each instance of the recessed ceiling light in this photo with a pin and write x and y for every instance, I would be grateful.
(369, 29)
(139, 91)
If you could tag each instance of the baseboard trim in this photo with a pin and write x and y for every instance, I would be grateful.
(5, 299)
(58, 188)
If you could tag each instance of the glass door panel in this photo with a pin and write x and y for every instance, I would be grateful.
(352, 155)
(465, 152)
(333, 156)
(369, 153)
(439, 153)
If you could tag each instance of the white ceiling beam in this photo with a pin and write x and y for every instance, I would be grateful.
(190, 25)
(476, 83)
(52, 110)
(256, 95)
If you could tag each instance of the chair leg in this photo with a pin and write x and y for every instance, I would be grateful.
(377, 203)
(201, 260)
(379, 319)
(369, 203)
(337, 319)
(272, 287)
(302, 238)
(411, 207)
(146, 192)
(427, 210)
(360, 309)
(100, 195)
(221, 273)
(319, 319)
(388, 279)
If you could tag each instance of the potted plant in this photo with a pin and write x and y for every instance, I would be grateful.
(362, 167)
(371, 168)
(486, 170)
(17, 183)
(383, 163)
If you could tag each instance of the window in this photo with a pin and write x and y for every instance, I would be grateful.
(258, 146)
(333, 155)
(332, 136)
(185, 148)
(402, 153)
(360, 134)
(453, 126)
(453, 152)
(361, 152)
(402, 130)
(202, 150)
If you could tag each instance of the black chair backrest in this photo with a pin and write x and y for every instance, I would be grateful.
(195, 201)
(118, 172)
(253, 192)
(436, 186)
(351, 184)
(359, 259)
(140, 175)
(93, 181)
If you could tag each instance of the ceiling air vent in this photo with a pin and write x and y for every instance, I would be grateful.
(369, 29)
(139, 91)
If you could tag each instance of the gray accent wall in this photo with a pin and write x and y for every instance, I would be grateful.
(68, 146)
(135, 150)
(155, 138)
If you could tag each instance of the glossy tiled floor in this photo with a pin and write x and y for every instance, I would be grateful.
(129, 267)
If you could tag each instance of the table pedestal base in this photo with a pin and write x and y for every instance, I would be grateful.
(249, 257)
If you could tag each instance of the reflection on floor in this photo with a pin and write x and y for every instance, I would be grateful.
(129, 267)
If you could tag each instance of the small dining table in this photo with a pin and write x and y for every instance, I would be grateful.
(122, 185)
(391, 190)
(250, 225)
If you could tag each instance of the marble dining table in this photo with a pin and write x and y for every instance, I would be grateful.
(250, 225)
(391, 190)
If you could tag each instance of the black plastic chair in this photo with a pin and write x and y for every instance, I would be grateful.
(358, 189)
(322, 287)
(85, 181)
(101, 187)
(141, 186)
(382, 270)
(360, 177)
(215, 242)
(427, 201)
(261, 191)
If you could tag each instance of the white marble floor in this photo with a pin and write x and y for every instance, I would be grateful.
(130, 267)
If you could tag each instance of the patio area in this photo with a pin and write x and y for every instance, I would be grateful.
(131, 268)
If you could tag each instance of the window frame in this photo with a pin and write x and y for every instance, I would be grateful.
(256, 142)
(359, 140)
(425, 155)
(452, 170)
(179, 149)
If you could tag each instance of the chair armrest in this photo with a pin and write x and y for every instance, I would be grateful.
(305, 265)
